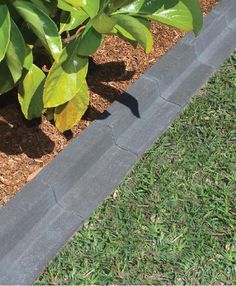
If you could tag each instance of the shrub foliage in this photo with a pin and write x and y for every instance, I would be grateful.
(63, 34)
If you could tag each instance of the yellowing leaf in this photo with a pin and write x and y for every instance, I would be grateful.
(70, 113)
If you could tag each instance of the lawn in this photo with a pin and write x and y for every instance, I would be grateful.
(172, 220)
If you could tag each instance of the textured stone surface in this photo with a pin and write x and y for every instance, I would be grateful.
(144, 132)
(218, 51)
(230, 16)
(25, 260)
(22, 213)
(165, 72)
(93, 187)
(133, 105)
(187, 83)
(224, 6)
(86, 149)
(227, 8)
(136, 134)
(42, 217)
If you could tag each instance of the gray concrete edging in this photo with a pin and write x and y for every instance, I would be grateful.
(48, 210)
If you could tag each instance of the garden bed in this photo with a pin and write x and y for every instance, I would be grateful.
(26, 147)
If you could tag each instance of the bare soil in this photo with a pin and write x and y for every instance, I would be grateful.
(26, 147)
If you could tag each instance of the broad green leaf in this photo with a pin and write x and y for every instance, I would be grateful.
(117, 4)
(16, 52)
(122, 33)
(42, 26)
(48, 7)
(137, 29)
(5, 28)
(69, 114)
(6, 82)
(30, 93)
(103, 24)
(183, 14)
(66, 77)
(91, 7)
(186, 15)
(12, 65)
(71, 20)
(89, 42)
(64, 6)
(28, 61)
(196, 14)
(76, 3)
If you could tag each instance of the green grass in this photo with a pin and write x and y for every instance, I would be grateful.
(172, 221)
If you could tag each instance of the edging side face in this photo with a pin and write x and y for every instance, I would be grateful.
(49, 209)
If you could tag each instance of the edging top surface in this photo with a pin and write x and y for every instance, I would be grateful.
(42, 217)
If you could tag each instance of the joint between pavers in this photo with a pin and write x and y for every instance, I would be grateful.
(61, 206)
(206, 64)
(230, 27)
(227, 28)
(156, 81)
(221, 7)
(118, 145)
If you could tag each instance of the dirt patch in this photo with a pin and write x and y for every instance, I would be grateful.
(26, 147)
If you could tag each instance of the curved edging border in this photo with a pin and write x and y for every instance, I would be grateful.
(49, 209)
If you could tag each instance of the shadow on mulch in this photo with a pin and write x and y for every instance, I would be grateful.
(17, 135)
(102, 73)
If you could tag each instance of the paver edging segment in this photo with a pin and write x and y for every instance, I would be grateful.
(48, 210)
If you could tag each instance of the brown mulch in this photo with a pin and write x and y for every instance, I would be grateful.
(25, 147)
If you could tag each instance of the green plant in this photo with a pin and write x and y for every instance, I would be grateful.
(62, 34)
